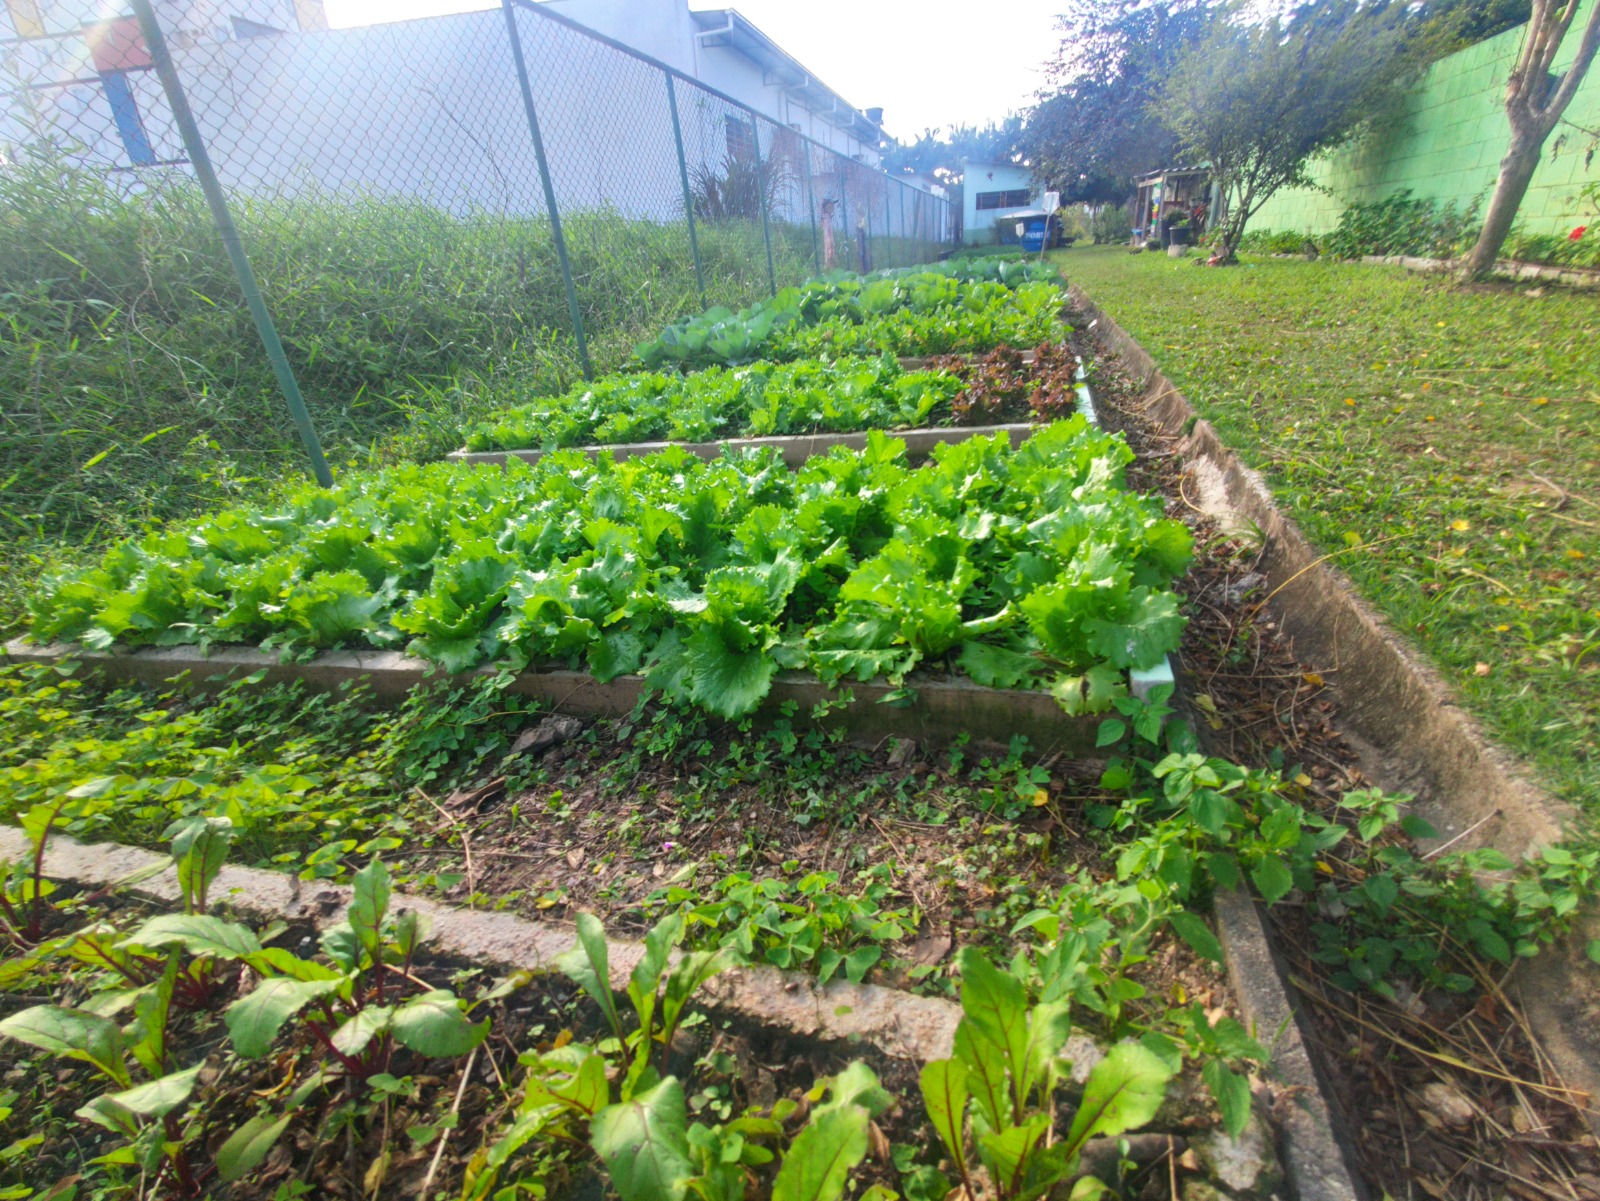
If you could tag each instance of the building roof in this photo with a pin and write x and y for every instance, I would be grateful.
(1148, 176)
(728, 27)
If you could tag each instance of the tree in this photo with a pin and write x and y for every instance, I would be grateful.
(1442, 27)
(1093, 129)
(942, 154)
(1255, 101)
(939, 153)
(1535, 100)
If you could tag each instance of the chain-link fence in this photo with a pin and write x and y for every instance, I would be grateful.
(499, 195)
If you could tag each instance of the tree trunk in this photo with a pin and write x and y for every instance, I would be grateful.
(1516, 173)
(1231, 231)
(1535, 100)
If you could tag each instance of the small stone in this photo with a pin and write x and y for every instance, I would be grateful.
(553, 730)
(1246, 1164)
(1083, 1053)
(1237, 591)
(1100, 1156)
(1446, 1102)
(901, 752)
(1187, 1105)
(929, 950)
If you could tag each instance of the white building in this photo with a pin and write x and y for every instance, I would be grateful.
(724, 50)
(995, 193)
(71, 73)
(432, 110)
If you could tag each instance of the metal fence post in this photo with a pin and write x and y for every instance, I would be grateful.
(904, 241)
(549, 189)
(844, 204)
(761, 196)
(811, 204)
(200, 160)
(688, 196)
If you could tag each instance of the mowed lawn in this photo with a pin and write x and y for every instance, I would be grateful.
(1444, 441)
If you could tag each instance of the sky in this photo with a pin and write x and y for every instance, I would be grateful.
(924, 68)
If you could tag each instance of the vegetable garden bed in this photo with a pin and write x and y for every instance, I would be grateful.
(800, 408)
(1026, 567)
(337, 1042)
(908, 312)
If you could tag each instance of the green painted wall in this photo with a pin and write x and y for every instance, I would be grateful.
(1447, 144)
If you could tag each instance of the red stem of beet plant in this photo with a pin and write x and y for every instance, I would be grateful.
(352, 1066)
(10, 923)
(179, 1158)
(36, 919)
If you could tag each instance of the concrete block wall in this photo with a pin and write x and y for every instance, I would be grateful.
(1446, 143)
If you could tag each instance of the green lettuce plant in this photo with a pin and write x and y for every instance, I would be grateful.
(1026, 568)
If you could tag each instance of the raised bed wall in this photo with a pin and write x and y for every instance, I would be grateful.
(795, 448)
(943, 709)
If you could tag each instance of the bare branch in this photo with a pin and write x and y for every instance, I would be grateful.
(1581, 62)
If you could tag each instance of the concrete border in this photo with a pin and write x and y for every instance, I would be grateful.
(943, 709)
(795, 449)
(921, 362)
(899, 1024)
(1515, 269)
(1314, 1157)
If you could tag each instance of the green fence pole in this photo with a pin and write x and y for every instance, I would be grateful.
(761, 197)
(844, 207)
(811, 204)
(549, 188)
(200, 160)
(683, 177)
(904, 241)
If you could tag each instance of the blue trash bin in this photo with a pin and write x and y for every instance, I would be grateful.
(1034, 226)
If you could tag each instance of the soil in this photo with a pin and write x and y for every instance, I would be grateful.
(604, 830)
(1439, 1096)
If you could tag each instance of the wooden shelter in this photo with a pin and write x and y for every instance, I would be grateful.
(1177, 189)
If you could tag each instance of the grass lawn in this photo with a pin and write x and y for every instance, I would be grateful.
(1442, 440)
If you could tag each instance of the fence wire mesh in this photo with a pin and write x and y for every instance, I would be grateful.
(412, 236)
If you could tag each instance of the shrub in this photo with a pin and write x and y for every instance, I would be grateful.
(1111, 225)
(1276, 241)
(1559, 250)
(1402, 223)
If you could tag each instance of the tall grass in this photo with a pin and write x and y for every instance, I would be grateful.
(134, 386)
